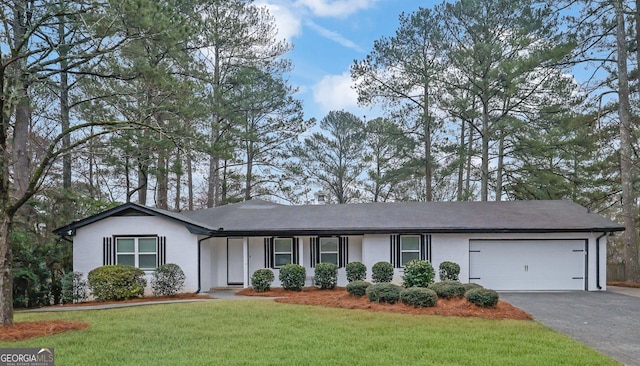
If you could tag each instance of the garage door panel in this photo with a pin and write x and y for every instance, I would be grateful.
(527, 264)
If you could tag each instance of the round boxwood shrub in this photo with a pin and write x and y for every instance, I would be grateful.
(482, 297)
(419, 297)
(448, 289)
(74, 288)
(168, 280)
(382, 272)
(326, 275)
(418, 273)
(449, 271)
(261, 280)
(470, 286)
(292, 277)
(113, 283)
(356, 271)
(383, 292)
(358, 288)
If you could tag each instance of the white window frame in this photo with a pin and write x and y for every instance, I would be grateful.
(403, 251)
(289, 252)
(336, 252)
(136, 251)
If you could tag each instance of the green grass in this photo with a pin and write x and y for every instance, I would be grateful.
(268, 333)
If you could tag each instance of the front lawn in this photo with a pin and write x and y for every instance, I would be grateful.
(269, 333)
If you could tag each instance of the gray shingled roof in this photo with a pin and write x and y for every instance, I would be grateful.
(259, 218)
(124, 209)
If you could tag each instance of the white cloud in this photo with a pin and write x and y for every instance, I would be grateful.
(287, 22)
(335, 92)
(336, 8)
(334, 36)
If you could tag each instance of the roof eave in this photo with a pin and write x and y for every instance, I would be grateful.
(70, 230)
(346, 231)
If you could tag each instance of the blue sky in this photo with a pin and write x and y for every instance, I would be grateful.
(327, 36)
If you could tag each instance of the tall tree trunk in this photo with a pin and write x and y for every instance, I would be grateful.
(632, 267)
(143, 182)
(249, 173)
(178, 181)
(190, 181)
(20, 164)
(6, 263)
(461, 161)
(6, 279)
(64, 100)
(484, 166)
(223, 185)
(162, 180)
(428, 167)
(467, 184)
(500, 167)
(213, 191)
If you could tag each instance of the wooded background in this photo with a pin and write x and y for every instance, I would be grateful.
(185, 104)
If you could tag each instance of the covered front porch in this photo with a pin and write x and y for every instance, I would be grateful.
(227, 262)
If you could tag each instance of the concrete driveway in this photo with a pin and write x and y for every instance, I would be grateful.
(606, 321)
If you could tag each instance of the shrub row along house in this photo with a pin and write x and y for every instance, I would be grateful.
(519, 245)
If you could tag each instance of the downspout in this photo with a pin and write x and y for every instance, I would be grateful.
(598, 260)
(199, 265)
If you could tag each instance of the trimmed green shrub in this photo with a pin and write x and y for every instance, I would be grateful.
(383, 292)
(358, 288)
(292, 277)
(356, 271)
(448, 289)
(419, 297)
(382, 272)
(418, 273)
(115, 283)
(326, 275)
(449, 271)
(74, 288)
(482, 297)
(167, 280)
(470, 286)
(261, 280)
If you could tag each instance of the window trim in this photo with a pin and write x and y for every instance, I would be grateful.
(136, 250)
(336, 252)
(290, 252)
(403, 251)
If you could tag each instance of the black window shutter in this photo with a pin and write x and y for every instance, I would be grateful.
(313, 250)
(268, 252)
(395, 251)
(425, 247)
(162, 251)
(296, 251)
(343, 251)
(108, 251)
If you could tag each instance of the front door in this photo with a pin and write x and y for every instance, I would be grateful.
(235, 267)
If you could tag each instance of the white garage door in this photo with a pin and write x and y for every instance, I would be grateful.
(529, 265)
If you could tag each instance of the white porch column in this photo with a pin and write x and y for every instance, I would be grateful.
(301, 251)
(245, 261)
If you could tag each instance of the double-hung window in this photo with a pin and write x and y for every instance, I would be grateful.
(282, 251)
(329, 250)
(139, 252)
(409, 248)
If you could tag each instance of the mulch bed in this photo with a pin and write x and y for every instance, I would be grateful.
(337, 298)
(26, 330)
(340, 298)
